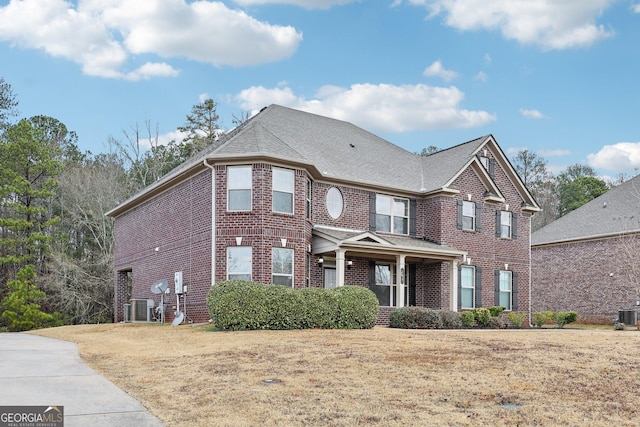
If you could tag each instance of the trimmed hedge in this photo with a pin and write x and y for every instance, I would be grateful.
(240, 305)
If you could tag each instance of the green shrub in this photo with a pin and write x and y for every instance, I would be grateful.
(450, 319)
(565, 317)
(467, 318)
(482, 316)
(357, 307)
(415, 318)
(542, 317)
(516, 318)
(321, 307)
(496, 310)
(237, 305)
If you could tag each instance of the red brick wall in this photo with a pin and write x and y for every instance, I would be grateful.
(177, 223)
(592, 278)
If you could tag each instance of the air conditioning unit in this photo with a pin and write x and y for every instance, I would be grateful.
(141, 310)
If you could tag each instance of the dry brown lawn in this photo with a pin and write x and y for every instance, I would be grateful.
(190, 376)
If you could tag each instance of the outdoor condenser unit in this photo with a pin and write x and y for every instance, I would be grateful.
(140, 310)
(628, 317)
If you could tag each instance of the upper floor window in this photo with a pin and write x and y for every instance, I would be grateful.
(239, 188)
(239, 262)
(283, 190)
(469, 215)
(282, 267)
(335, 203)
(505, 224)
(392, 214)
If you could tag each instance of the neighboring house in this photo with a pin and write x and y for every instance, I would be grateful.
(588, 260)
(299, 200)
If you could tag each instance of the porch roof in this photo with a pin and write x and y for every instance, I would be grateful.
(328, 239)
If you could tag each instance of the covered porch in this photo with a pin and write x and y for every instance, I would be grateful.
(401, 271)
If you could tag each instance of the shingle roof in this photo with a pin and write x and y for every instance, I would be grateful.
(335, 149)
(615, 212)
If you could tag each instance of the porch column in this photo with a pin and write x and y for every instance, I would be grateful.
(340, 267)
(400, 268)
(453, 293)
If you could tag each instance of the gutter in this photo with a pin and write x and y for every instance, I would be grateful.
(213, 220)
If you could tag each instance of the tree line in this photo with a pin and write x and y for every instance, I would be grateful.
(56, 244)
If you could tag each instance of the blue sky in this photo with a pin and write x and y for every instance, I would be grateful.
(559, 78)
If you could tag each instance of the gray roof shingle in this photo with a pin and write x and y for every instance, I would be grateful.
(615, 212)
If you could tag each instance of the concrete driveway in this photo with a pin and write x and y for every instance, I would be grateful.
(38, 371)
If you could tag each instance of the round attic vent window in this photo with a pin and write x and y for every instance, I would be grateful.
(335, 203)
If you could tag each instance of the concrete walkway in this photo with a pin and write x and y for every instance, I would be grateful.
(38, 371)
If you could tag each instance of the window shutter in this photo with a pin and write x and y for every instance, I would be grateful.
(412, 284)
(372, 274)
(478, 287)
(496, 287)
(498, 223)
(514, 225)
(459, 287)
(459, 220)
(492, 167)
(478, 216)
(514, 290)
(372, 211)
(413, 211)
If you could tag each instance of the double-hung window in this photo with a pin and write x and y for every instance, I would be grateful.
(392, 214)
(467, 287)
(505, 224)
(283, 190)
(239, 188)
(468, 215)
(239, 261)
(282, 267)
(505, 290)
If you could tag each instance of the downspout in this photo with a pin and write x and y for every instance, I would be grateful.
(213, 221)
(530, 270)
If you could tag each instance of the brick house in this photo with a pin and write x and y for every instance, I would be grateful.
(298, 199)
(587, 260)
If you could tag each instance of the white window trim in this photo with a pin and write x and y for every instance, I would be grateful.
(293, 263)
(250, 272)
(473, 217)
(509, 291)
(473, 287)
(250, 188)
(391, 215)
(510, 225)
(292, 192)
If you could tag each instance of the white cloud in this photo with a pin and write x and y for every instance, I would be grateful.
(481, 77)
(623, 156)
(636, 8)
(550, 24)
(531, 114)
(437, 70)
(150, 70)
(307, 4)
(103, 35)
(382, 107)
(555, 153)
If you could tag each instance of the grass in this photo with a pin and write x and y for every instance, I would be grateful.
(388, 377)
